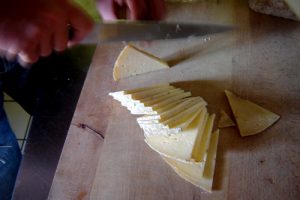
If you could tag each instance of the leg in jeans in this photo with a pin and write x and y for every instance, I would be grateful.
(10, 154)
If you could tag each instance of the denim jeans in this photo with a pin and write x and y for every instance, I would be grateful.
(10, 154)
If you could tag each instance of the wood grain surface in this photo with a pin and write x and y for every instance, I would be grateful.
(259, 61)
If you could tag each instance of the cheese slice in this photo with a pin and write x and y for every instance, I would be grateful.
(153, 101)
(202, 178)
(174, 120)
(140, 106)
(160, 129)
(139, 94)
(250, 117)
(225, 120)
(133, 61)
(138, 89)
(146, 102)
(151, 92)
(179, 146)
(158, 109)
(295, 6)
(149, 107)
(188, 102)
(202, 141)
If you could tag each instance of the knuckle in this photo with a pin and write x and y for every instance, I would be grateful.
(46, 52)
(34, 31)
(29, 57)
(60, 47)
(27, 46)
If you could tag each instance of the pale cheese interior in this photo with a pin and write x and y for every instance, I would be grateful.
(133, 61)
(250, 117)
(192, 173)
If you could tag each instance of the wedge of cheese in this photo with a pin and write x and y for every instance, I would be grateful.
(133, 61)
(179, 146)
(225, 121)
(200, 175)
(250, 117)
(295, 6)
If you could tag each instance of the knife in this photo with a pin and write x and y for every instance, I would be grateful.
(145, 31)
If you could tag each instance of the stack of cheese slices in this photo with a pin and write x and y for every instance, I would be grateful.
(178, 127)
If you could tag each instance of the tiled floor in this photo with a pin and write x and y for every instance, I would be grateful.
(19, 120)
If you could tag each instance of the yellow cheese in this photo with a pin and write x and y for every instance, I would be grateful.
(146, 88)
(161, 129)
(151, 92)
(179, 146)
(139, 102)
(153, 101)
(176, 119)
(133, 61)
(188, 102)
(295, 6)
(202, 142)
(159, 108)
(225, 120)
(146, 107)
(199, 174)
(143, 93)
(250, 117)
(145, 102)
(180, 117)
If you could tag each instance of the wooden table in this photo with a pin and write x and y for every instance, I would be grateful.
(259, 61)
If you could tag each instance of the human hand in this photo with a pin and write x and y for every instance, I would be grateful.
(33, 28)
(132, 9)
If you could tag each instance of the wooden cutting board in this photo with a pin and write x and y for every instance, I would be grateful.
(259, 61)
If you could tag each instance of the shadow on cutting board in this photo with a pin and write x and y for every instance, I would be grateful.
(207, 45)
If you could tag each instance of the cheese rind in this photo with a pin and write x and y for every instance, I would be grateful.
(250, 117)
(133, 61)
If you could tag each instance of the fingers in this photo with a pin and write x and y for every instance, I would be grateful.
(107, 9)
(137, 9)
(60, 39)
(27, 48)
(46, 44)
(81, 25)
(157, 9)
(37, 32)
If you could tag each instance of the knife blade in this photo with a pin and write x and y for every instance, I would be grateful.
(145, 31)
